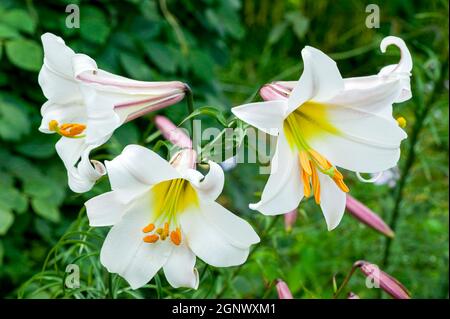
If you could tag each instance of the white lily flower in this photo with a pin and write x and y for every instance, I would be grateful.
(327, 122)
(163, 216)
(86, 104)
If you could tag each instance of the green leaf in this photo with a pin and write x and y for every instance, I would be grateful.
(12, 199)
(207, 110)
(46, 210)
(125, 135)
(20, 20)
(135, 66)
(276, 33)
(163, 56)
(201, 64)
(300, 24)
(25, 54)
(6, 220)
(94, 26)
(2, 252)
(14, 121)
(6, 32)
(38, 146)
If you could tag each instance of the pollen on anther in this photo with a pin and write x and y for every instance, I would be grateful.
(148, 228)
(175, 236)
(151, 238)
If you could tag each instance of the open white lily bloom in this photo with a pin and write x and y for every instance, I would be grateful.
(163, 216)
(86, 104)
(323, 122)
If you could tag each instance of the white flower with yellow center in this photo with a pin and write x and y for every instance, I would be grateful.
(86, 105)
(328, 122)
(163, 216)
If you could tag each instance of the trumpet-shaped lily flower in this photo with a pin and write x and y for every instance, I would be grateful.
(325, 122)
(86, 104)
(164, 214)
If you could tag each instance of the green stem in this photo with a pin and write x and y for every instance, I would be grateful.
(418, 125)
(345, 282)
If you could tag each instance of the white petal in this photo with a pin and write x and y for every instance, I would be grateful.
(332, 201)
(56, 76)
(70, 150)
(180, 268)
(136, 169)
(365, 142)
(402, 70)
(320, 81)
(104, 210)
(211, 185)
(236, 230)
(284, 190)
(63, 113)
(82, 63)
(101, 118)
(83, 177)
(370, 94)
(208, 243)
(265, 116)
(405, 64)
(124, 251)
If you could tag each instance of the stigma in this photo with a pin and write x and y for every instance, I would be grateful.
(311, 162)
(70, 130)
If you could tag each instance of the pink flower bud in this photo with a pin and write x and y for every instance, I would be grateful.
(275, 91)
(289, 219)
(283, 290)
(352, 295)
(172, 132)
(386, 282)
(362, 213)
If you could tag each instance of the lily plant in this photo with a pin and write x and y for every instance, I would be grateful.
(86, 105)
(323, 122)
(164, 214)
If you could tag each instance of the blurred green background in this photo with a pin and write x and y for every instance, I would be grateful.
(225, 50)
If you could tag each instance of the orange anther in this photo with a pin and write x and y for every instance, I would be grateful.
(306, 186)
(53, 125)
(321, 161)
(151, 238)
(304, 162)
(175, 237)
(148, 228)
(316, 186)
(340, 183)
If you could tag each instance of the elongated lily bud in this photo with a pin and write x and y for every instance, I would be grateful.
(386, 282)
(172, 132)
(362, 213)
(352, 295)
(289, 219)
(283, 290)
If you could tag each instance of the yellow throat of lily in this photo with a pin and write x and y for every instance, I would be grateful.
(171, 198)
(305, 123)
(71, 130)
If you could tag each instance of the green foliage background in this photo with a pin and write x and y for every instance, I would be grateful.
(224, 49)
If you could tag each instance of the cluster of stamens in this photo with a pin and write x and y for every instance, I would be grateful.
(161, 233)
(310, 162)
(71, 130)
